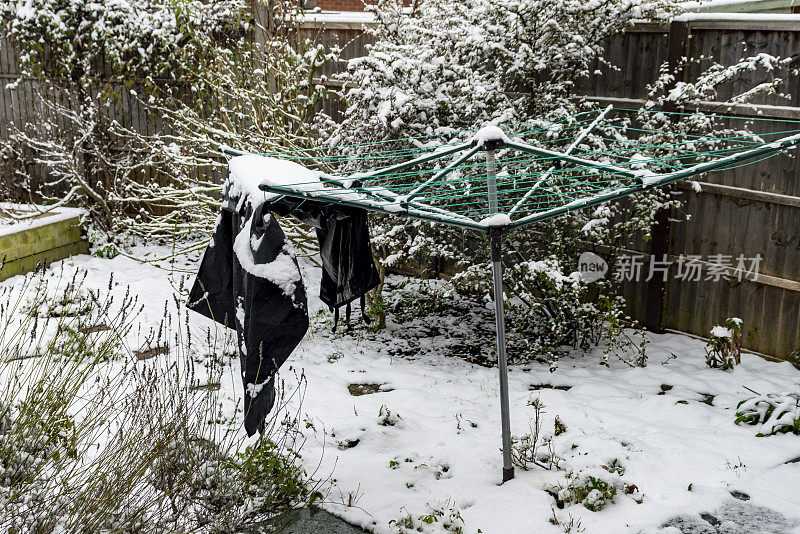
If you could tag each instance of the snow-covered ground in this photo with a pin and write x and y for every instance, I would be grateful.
(429, 437)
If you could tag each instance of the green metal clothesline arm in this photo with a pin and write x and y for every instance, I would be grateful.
(578, 140)
(656, 180)
(410, 163)
(334, 196)
(538, 151)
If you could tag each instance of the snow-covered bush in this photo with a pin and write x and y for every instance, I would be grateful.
(195, 74)
(724, 346)
(440, 71)
(454, 65)
(103, 441)
(774, 413)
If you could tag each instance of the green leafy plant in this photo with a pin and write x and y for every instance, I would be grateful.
(441, 520)
(335, 356)
(386, 417)
(592, 492)
(595, 488)
(724, 346)
(776, 413)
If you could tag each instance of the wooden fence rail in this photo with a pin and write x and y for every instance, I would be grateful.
(749, 211)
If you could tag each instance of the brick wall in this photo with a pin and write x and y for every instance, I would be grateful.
(339, 5)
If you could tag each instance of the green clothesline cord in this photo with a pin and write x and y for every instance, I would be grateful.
(382, 155)
(419, 150)
(523, 178)
(596, 185)
(705, 138)
(549, 159)
(712, 115)
(564, 195)
(550, 205)
(517, 134)
(663, 161)
(563, 184)
(477, 191)
(541, 205)
(633, 146)
(741, 138)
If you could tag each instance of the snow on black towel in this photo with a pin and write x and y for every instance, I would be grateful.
(249, 279)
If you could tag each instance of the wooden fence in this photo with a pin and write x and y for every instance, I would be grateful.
(750, 211)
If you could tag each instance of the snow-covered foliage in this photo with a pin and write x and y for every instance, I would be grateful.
(773, 413)
(192, 74)
(591, 489)
(724, 347)
(97, 437)
(446, 69)
(443, 519)
(456, 65)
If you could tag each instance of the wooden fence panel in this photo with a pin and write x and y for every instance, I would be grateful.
(733, 218)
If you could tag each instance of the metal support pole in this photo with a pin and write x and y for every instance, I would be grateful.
(495, 239)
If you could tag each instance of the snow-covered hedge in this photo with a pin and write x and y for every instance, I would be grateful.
(85, 40)
(446, 68)
(136, 96)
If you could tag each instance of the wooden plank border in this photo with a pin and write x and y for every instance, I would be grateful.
(746, 194)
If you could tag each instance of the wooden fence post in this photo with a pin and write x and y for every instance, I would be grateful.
(660, 232)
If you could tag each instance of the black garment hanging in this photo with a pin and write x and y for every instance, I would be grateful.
(348, 270)
(249, 280)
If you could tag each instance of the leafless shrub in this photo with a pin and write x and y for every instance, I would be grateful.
(534, 448)
(93, 439)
